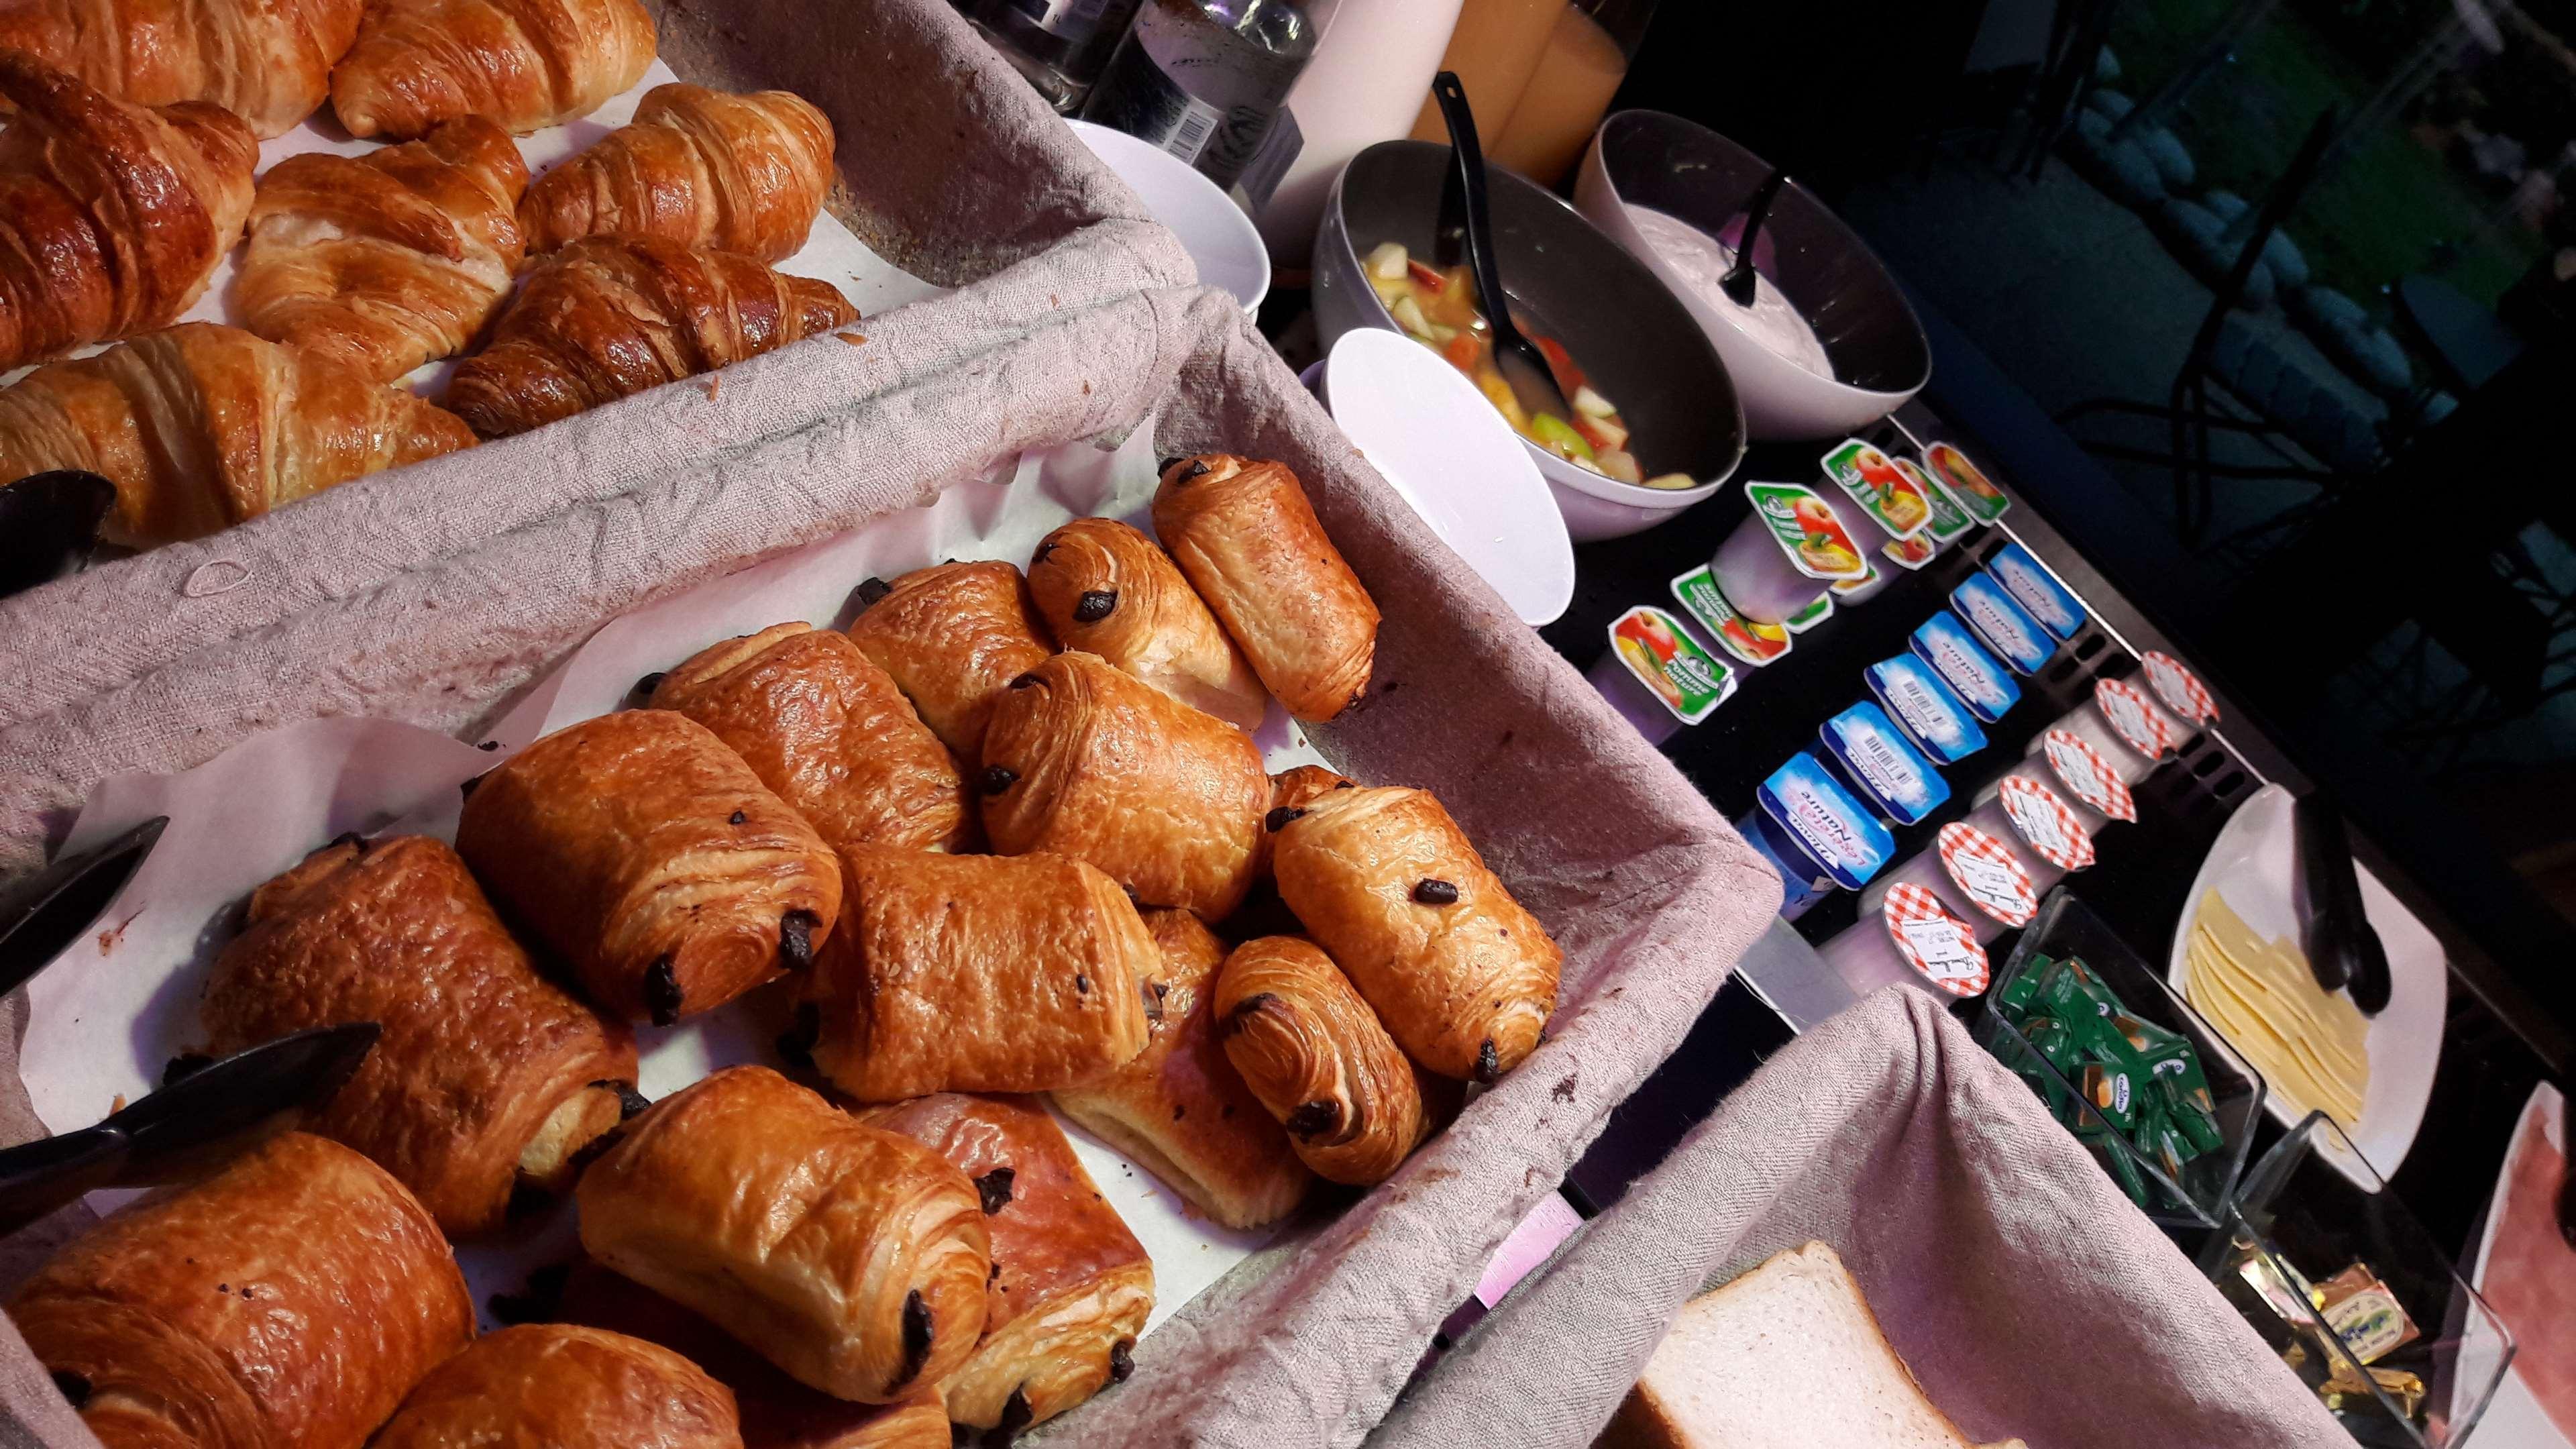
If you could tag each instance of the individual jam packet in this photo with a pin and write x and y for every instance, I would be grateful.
(2004, 627)
(1969, 487)
(2037, 590)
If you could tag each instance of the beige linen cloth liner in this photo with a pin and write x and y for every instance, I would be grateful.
(2027, 1294)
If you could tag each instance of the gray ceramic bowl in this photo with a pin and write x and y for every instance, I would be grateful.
(1635, 339)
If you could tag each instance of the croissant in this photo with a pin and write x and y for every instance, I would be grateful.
(1071, 1286)
(527, 64)
(202, 426)
(608, 317)
(1319, 1059)
(289, 1301)
(1387, 883)
(1245, 535)
(699, 167)
(1085, 761)
(828, 730)
(1299, 786)
(654, 860)
(268, 63)
(379, 263)
(852, 1257)
(1180, 1109)
(565, 1388)
(951, 636)
(487, 1075)
(112, 216)
(1106, 589)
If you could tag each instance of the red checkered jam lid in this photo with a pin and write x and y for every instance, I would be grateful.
(1984, 870)
(2135, 719)
(2179, 688)
(1934, 942)
(2087, 776)
(2045, 824)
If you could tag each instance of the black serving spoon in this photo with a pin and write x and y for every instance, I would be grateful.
(49, 525)
(1738, 283)
(1521, 362)
(2343, 950)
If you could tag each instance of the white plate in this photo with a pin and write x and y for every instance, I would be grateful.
(2514, 1419)
(1420, 422)
(2253, 868)
(1215, 232)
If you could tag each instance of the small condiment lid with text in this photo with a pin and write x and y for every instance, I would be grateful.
(1896, 501)
(2045, 824)
(2087, 776)
(1684, 678)
(1984, 870)
(1755, 644)
(2179, 688)
(1933, 941)
(1808, 530)
(2002, 625)
(2134, 718)
(1968, 483)
(1949, 520)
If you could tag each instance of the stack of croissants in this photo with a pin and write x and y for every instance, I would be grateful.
(992, 841)
(132, 131)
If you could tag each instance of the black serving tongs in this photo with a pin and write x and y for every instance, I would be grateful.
(2343, 949)
(1532, 377)
(46, 912)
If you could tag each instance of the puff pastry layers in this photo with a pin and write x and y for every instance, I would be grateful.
(1245, 535)
(654, 860)
(1316, 1056)
(1388, 884)
(268, 63)
(287, 1302)
(951, 636)
(561, 1387)
(1071, 1285)
(828, 730)
(527, 64)
(851, 1257)
(699, 167)
(1181, 1109)
(487, 1074)
(1106, 589)
(977, 973)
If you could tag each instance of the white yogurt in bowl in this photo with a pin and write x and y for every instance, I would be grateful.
(1702, 261)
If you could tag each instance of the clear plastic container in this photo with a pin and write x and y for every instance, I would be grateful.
(1815, 834)
(1934, 717)
(2130, 731)
(1972, 874)
(1785, 553)
(2040, 829)
(1657, 676)
(1981, 684)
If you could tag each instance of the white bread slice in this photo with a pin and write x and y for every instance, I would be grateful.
(1786, 1357)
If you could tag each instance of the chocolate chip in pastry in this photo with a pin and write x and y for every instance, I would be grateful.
(1108, 590)
(1313, 1052)
(1246, 537)
(953, 636)
(565, 1387)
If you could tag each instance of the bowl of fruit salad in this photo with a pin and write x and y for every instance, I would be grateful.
(1653, 424)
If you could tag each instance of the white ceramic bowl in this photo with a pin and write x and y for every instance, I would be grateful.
(1215, 232)
(1870, 332)
(1421, 423)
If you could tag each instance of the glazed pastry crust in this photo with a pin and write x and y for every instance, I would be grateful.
(292, 1298)
(1316, 1056)
(953, 635)
(699, 167)
(480, 1054)
(1071, 1285)
(1299, 786)
(828, 730)
(1180, 1109)
(270, 64)
(527, 64)
(978, 973)
(851, 1257)
(1106, 589)
(1085, 761)
(653, 859)
(1466, 984)
(563, 1387)
(1248, 540)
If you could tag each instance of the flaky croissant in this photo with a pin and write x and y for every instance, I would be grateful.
(527, 64)
(564, 1387)
(112, 216)
(202, 426)
(952, 635)
(1108, 590)
(1246, 535)
(698, 167)
(269, 63)
(611, 316)
(1319, 1059)
(382, 262)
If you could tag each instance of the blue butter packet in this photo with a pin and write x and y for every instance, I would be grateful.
(1986, 687)
(2036, 589)
(1871, 754)
(1929, 712)
(2002, 625)
(1835, 832)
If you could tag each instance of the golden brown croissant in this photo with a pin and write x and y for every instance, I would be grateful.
(699, 167)
(777, 1411)
(952, 635)
(1106, 589)
(563, 1387)
(1071, 1285)
(487, 1075)
(976, 973)
(1180, 1109)
(268, 63)
(851, 1257)
(1385, 881)
(1299, 786)
(608, 317)
(828, 730)
(287, 1302)
(379, 263)
(1087, 762)
(112, 216)
(1246, 537)
(202, 426)
(1315, 1054)
(654, 860)
(527, 64)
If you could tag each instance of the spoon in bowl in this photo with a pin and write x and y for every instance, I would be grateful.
(1523, 365)
(1739, 282)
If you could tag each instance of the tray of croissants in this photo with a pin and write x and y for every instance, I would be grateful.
(832, 1034)
(260, 248)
